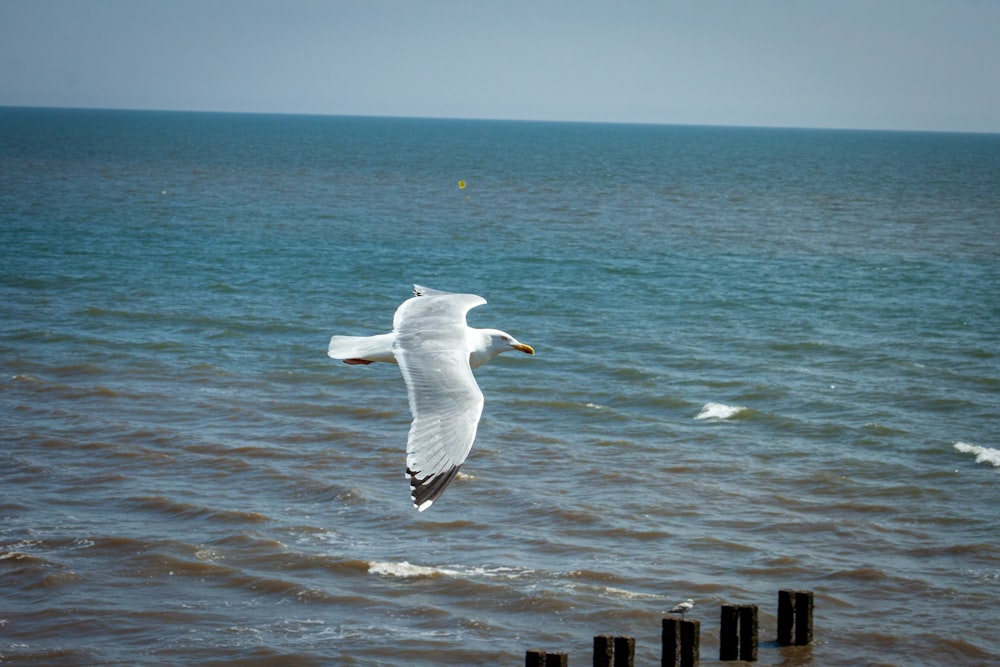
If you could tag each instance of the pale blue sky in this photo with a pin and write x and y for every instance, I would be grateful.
(883, 64)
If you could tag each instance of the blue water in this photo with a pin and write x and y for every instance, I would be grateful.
(757, 350)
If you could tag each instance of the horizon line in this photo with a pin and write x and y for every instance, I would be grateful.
(495, 119)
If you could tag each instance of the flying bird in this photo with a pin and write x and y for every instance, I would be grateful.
(436, 351)
(682, 607)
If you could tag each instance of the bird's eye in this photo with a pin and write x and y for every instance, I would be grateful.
(505, 339)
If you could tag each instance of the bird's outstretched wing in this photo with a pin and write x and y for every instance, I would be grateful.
(432, 348)
(362, 349)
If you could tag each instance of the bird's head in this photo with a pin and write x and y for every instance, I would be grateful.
(495, 342)
(503, 342)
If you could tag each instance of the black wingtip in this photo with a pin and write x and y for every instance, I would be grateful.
(424, 491)
(420, 290)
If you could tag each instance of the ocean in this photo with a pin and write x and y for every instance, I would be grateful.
(765, 359)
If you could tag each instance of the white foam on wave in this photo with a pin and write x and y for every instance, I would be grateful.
(626, 594)
(404, 570)
(719, 411)
(982, 454)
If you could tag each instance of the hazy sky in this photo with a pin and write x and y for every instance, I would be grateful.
(895, 64)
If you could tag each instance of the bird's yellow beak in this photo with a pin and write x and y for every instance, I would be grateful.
(527, 349)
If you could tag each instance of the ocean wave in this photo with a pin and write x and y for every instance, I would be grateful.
(21, 556)
(162, 504)
(719, 411)
(406, 570)
(615, 592)
(982, 454)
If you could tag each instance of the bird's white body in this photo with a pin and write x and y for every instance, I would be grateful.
(482, 346)
(436, 351)
(683, 607)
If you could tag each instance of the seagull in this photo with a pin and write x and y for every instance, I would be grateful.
(682, 607)
(436, 351)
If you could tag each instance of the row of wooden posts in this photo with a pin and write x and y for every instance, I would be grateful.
(737, 637)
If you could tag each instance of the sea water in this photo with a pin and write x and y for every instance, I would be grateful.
(766, 359)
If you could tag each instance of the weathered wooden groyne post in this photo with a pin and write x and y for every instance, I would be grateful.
(538, 658)
(604, 650)
(680, 643)
(738, 633)
(795, 617)
(610, 651)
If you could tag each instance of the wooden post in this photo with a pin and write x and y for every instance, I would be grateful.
(795, 612)
(786, 617)
(557, 659)
(803, 618)
(603, 650)
(534, 657)
(748, 633)
(624, 652)
(729, 634)
(690, 636)
(680, 643)
(738, 632)
(671, 652)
